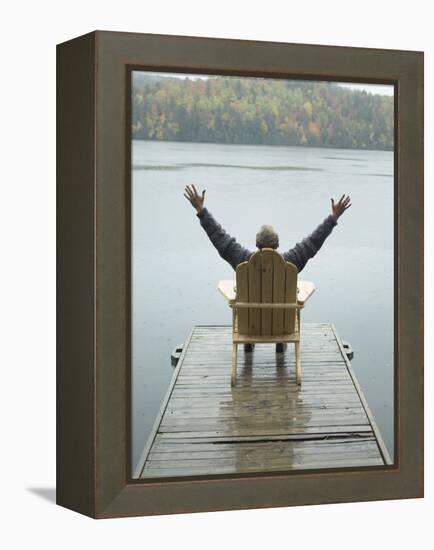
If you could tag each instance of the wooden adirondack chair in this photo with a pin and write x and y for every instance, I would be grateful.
(266, 303)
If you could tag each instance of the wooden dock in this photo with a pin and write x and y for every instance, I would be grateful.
(266, 423)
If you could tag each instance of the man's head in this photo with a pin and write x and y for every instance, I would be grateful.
(266, 237)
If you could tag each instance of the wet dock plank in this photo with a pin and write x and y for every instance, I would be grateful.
(266, 422)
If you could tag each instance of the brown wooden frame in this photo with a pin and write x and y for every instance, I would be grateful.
(93, 376)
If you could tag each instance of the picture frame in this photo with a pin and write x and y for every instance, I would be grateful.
(94, 257)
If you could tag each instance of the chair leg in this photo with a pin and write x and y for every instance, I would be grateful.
(234, 364)
(297, 363)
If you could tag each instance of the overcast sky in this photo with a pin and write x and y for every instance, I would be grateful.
(370, 88)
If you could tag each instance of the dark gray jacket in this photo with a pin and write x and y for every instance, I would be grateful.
(234, 253)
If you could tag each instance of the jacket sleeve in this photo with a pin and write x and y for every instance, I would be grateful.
(308, 247)
(226, 246)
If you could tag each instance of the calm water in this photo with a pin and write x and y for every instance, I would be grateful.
(176, 269)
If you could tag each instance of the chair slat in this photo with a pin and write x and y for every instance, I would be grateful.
(289, 316)
(255, 266)
(242, 294)
(267, 290)
(279, 276)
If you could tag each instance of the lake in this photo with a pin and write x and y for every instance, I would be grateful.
(175, 268)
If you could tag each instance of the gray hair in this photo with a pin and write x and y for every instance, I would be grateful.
(266, 237)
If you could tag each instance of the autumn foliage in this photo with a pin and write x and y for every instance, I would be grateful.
(259, 111)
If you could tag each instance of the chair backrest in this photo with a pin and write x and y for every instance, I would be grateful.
(266, 278)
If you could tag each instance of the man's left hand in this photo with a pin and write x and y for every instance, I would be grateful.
(339, 208)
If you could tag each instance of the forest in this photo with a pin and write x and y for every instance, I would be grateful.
(241, 110)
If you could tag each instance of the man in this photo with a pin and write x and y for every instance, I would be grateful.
(266, 237)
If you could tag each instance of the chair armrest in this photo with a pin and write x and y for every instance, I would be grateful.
(227, 289)
(305, 289)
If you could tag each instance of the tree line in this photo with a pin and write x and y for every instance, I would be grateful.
(259, 111)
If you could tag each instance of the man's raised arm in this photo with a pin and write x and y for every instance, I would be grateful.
(226, 246)
(308, 247)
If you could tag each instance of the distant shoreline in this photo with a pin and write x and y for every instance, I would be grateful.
(261, 145)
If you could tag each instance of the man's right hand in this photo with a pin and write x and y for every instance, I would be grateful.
(196, 200)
